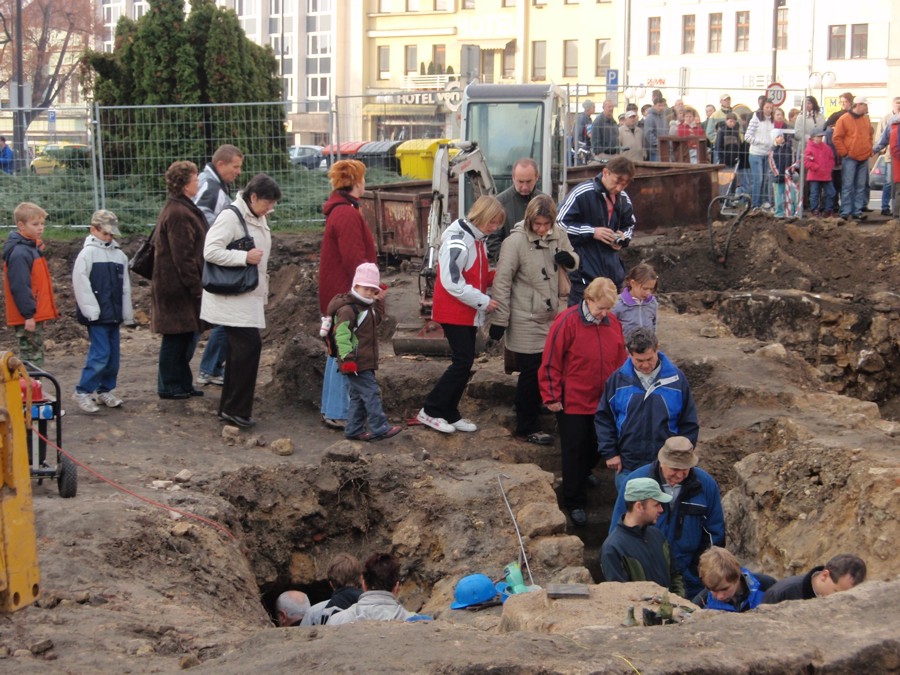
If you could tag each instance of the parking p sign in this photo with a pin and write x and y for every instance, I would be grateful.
(775, 92)
(612, 79)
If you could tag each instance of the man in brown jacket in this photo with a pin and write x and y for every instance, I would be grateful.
(853, 141)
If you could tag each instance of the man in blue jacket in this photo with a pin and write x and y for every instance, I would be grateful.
(693, 521)
(599, 219)
(644, 402)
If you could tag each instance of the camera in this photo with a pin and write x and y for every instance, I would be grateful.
(619, 240)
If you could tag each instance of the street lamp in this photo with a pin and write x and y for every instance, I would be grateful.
(635, 93)
(822, 81)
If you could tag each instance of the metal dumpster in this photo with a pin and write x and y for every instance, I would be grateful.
(380, 155)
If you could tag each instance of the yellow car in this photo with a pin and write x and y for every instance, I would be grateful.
(56, 157)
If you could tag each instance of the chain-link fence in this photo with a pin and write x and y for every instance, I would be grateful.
(118, 158)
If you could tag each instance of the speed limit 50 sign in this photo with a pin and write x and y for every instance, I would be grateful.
(775, 92)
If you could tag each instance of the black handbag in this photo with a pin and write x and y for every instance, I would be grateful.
(142, 261)
(223, 280)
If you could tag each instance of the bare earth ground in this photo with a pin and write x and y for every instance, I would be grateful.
(127, 588)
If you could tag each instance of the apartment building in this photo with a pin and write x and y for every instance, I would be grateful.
(696, 50)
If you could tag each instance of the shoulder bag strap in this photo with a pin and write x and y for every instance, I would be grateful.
(240, 218)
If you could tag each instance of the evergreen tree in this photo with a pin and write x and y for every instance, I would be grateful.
(164, 64)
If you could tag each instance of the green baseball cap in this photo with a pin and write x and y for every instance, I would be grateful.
(638, 489)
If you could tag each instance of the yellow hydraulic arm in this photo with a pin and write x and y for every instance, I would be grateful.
(19, 574)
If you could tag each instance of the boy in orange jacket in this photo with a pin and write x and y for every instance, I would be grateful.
(27, 285)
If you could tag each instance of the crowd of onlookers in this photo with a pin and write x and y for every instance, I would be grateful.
(546, 280)
(766, 147)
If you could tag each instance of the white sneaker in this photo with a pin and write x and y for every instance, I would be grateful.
(86, 402)
(465, 425)
(109, 399)
(436, 423)
(206, 378)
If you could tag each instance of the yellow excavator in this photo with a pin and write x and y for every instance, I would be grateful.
(19, 573)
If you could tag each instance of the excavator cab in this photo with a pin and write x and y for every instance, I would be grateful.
(513, 121)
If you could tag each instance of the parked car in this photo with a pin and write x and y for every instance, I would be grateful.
(880, 173)
(309, 156)
(55, 157)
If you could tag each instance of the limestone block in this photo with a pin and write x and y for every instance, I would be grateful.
(774, 351)
(539, 519)
(606, 607)
(556, 552)
(870, 361)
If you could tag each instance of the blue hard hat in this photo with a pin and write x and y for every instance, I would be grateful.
(473, 590)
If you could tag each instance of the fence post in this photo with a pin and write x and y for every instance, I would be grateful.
(98, 162)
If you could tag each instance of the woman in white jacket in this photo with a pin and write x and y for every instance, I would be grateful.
(759, 138)
(242, 315)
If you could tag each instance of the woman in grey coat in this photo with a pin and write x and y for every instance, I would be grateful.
(526, 288)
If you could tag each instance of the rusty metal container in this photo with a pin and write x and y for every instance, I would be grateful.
(664, 194)
(397, 214)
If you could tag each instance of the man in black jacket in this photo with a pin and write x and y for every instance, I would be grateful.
(636, 550)
(841, 573)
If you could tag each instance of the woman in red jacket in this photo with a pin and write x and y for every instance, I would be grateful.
(460, 303)
(585, 346)
(347, 244)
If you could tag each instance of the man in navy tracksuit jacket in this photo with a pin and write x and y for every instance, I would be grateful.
(599, 219)
(644, 402)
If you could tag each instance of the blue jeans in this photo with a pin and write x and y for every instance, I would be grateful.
(854, 175)
(365, 404)
(335, 392)
(759, 169)
(621, 479)
(826, 202)
(886, 193)
(102, 365)
(213, 360)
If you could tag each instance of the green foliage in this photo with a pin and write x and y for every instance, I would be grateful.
(165, 58)
(421, 68)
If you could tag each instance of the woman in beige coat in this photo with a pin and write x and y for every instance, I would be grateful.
(242, 315)
(526, 288)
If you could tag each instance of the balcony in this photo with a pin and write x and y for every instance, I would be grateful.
(425, 82)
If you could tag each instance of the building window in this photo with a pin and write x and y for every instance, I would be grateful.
(742, 32)
(781, 31)
(539, 60)
(384, 6)
(653, 36)
(509, 59)
(439, 58)
(410, 60)
(508, 3)
(384, 63)
(412, 5)
(859, 41)
(468, 4)
(715, 33)
(837, 42)
(441, 5)
(603, 55)
(570, 58)
(688, 32)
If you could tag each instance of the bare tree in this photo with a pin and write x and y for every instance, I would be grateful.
(54, 36)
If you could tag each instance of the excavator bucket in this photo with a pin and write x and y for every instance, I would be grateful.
(19, 574)
(427, 340)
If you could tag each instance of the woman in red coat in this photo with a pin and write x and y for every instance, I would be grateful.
(347, 244)
(584, 347)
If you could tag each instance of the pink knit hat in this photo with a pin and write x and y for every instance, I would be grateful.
(367, 275)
